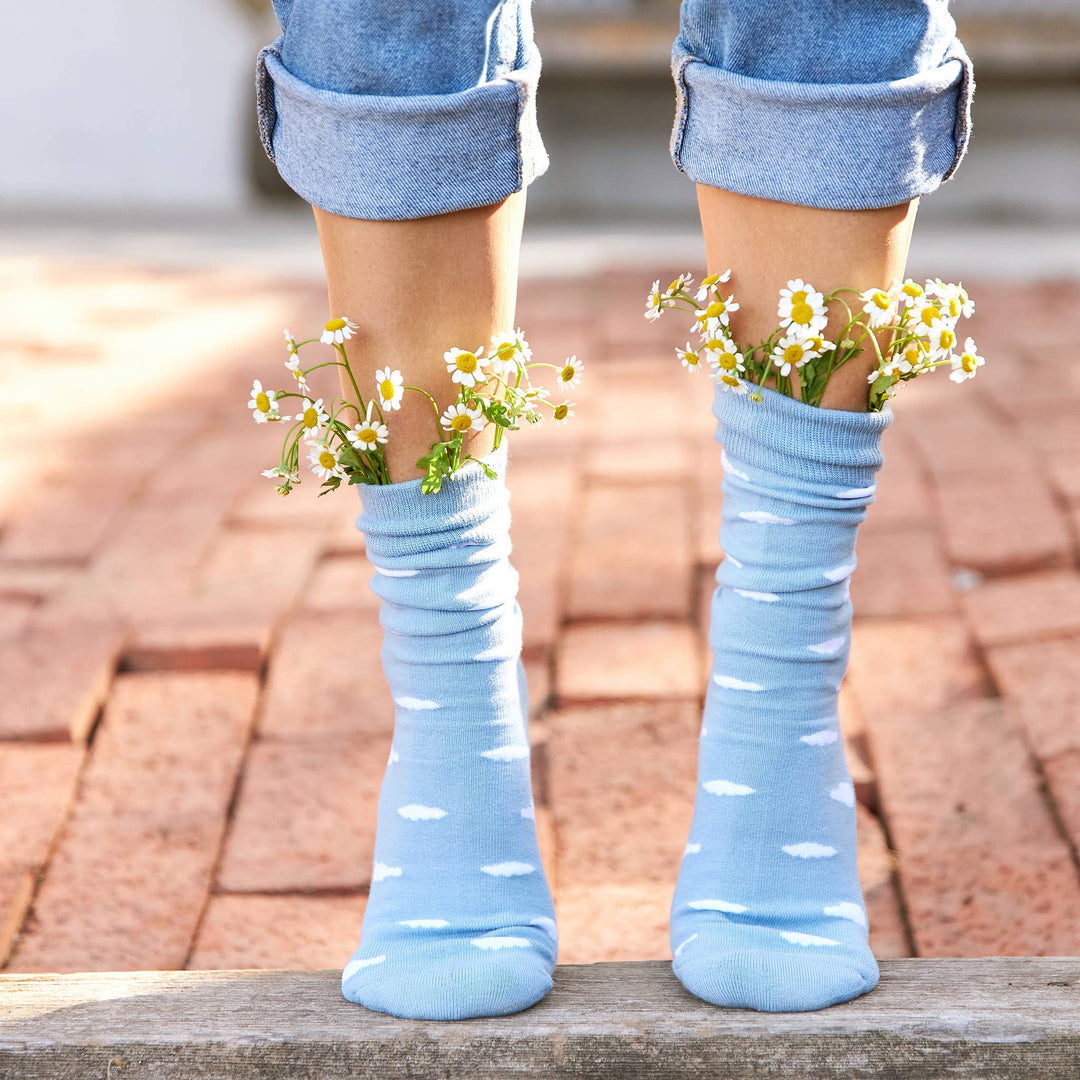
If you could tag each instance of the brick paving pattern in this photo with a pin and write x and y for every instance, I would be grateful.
(193, 724)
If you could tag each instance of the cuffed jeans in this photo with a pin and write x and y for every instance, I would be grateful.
(396, 109)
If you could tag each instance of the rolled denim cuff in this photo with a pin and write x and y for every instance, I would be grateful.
(833, 146)
(394, 158)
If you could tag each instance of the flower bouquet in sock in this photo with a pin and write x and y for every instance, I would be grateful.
(344, 439)
(912, 328)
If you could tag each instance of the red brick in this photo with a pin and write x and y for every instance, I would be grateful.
(1063, 780)
(200, 644)
(708, 505)
(1054, 431)
(293, 932)
(633, 557)
(983, 869)
(621, 783)
(856, 750)
(614, 920)
(260, 505)
(129, 879)
(55, 680)
(622, 462)
(1042, 679)
(1032, 607)
(538, 676)
(904, 665)
(631, 401)
(24, 581)
(305, 817)
(1001, 524)
(341, 583)
(877, 876)
(901, 572)
(903, 496)
(15, 614)
(628, 661)
(1063, 470)
(326, 677)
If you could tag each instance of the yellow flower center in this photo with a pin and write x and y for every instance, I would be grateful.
(297, 374)
(386, 390)
(954, 306)
(793, 354)
(561, 412)
(466, 361)
(505, 352)
(262, 401)
(715, 345)
(368, 435)
(911, 355)
(311, 418)
(909, 288)
(336, 324)
(567, 373)
(730, 380)
(968, 363)
(326, 459)
(880, 300)
(461, 422)
(691, 358)
(930, 314)
(715, 309)
(802, 312)
(676, 284)
(712, 279)
(947, 339)
(728, 361)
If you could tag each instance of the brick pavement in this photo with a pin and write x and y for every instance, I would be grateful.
(193, 724)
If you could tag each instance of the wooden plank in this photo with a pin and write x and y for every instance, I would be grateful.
(1009, 1017)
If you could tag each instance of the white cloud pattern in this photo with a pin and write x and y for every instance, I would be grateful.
(752, 594)
(717, 905)
(415, 704)
(691, 849)
(353, 966)
(734, 562)
(508, 869)
(683, 945)
(838, 573)
(797, 938)
(380, 871)
(728, 682)
(729, 468)
(726, 787)
(529, 812)
(843, 793)
(828, 648)
(763, 517)
(505, 942)
(423, 924)
(547, 925)
(506, 753)
(856, 493)
(810, 850)
(395, 573)
(418, 812)
(847, 910)
(825, 737)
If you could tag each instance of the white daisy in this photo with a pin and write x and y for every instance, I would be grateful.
(369, 434)
(278, 473)
(711, 282)
(802, 306)
(908, 291)
(690, 359)
(722, 355)
(925, 313)
(792, 351)
(571, 372)
(677, 285)
(460, 418)
(312, 415)
(290, 341)
(391, 387)
(508, 352)
(941, 339)
(324, 462)
(263, 404)
(297, 372)
(562, 413)
(465, 367)
(716, 314)
(338, 331)
(731, 382)
(879, 306)
(967, 363)
(654, 302)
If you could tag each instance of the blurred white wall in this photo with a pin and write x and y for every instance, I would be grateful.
(127, 104)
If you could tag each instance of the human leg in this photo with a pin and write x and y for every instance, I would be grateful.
(811, 133)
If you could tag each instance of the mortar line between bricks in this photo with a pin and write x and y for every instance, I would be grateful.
(327, 892)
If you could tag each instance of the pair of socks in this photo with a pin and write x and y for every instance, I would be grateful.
(767, 913)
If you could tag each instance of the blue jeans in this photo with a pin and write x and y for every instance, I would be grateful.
(394, 109)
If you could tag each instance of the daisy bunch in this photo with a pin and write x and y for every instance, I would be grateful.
(343, 440)
(911, 328)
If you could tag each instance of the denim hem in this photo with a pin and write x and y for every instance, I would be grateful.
(832, 146)
(397, 158)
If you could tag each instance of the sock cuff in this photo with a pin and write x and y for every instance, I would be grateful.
(399, 520)
(781, 435)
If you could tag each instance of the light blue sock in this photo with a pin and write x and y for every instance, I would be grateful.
(459, 921)
(768, 913)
